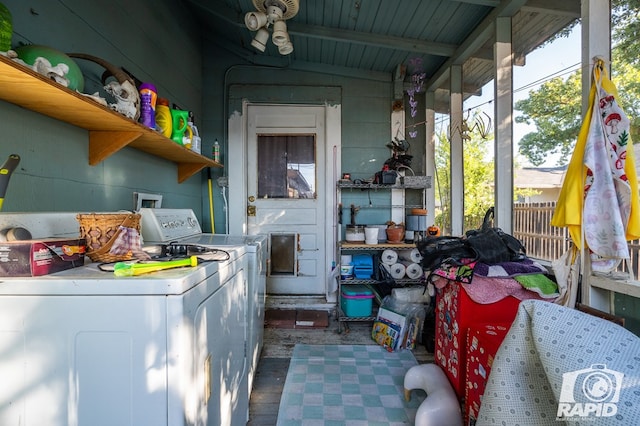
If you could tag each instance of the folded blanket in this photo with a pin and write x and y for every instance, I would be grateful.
(540, 284)
(485, 283)
(461, 273)
(509, 269)
(486, 290)
(491, 290)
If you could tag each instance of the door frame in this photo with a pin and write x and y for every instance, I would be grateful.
(238, 171)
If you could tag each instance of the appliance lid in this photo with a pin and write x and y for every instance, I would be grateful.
(166, 225)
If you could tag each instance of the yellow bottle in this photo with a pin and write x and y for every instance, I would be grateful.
(163, 117)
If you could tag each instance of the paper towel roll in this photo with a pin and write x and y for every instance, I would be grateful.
(413, 256)
(413, 271)
(389, 257)
(397, 271)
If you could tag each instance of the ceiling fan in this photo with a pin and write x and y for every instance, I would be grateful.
(271, 13)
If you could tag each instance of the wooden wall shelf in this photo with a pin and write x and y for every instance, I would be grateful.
(109, 131)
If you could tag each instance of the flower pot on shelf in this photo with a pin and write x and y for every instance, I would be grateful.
(395, 234)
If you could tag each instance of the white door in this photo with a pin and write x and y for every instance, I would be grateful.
(286, 194)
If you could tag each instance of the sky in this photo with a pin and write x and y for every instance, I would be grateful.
(555, 59)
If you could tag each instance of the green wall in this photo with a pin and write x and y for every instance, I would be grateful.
(628, 307)
(366, 111)
(157, 42)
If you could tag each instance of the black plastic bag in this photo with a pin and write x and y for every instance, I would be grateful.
(437, 250)
(493, 245)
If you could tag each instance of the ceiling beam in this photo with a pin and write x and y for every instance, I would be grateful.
(468, 89)
(480, 35)
(569, 8)
(285, 62)
(492, 3)
(371, 39)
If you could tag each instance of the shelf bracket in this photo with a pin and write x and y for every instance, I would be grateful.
(186, 170)
(104, 143)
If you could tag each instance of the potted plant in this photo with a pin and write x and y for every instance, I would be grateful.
(395, 232)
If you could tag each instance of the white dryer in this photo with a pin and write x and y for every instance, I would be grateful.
(83, 347)
(181, 227)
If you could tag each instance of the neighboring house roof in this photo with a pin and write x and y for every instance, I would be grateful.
(539, 177)
(551, 177)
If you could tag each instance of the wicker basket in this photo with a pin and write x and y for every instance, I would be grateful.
(101, 230)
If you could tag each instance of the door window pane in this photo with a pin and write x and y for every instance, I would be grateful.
(286, 166)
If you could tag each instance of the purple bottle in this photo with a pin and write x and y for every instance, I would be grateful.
(148, 97)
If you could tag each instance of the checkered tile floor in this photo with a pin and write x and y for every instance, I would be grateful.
(347, 385)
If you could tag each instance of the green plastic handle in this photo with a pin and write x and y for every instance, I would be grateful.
(124, 269)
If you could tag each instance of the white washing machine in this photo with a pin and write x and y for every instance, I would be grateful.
(180, 226)
(83, 347)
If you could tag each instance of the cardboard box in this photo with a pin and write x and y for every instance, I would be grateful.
(483, 342)
(32, 258)
(455, 313)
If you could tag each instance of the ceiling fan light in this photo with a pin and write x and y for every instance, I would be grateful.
(260, 40)
(280, 35)
(286, 48)
(274, 13)
(255, 20)
(289, 8)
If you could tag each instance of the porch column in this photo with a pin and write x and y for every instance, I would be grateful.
(456, 159)
(503, 113)
(430, 155)
(596, 41)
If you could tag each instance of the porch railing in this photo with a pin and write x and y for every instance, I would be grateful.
(531, 225)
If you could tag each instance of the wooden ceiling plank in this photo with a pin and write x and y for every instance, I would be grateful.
(569, 8)
(369, 39)
(475, 41)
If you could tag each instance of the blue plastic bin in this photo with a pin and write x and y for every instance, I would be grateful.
(356, 301)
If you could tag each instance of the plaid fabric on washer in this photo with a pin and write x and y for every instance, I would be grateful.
(128, 240)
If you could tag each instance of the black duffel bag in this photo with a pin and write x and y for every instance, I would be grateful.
(493, 245)
(437, 250)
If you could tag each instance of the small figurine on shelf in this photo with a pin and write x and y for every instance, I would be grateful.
(433, 231)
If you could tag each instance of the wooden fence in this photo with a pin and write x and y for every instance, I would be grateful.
(532, 226)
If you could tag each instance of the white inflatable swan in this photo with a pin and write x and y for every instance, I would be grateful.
(441, 407)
